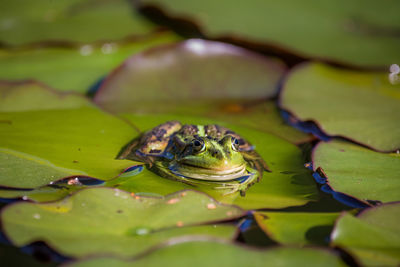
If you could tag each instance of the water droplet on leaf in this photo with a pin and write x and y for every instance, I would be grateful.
(140, 230)
(86, 50)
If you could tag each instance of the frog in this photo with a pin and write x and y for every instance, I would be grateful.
(198, 154)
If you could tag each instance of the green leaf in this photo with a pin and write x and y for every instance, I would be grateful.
(26, 96)
(147, 183)
(264, 117)
(360, 106)
(359, 32)
(74, 138)
(24, 22)
(23, 170)
(297, 228)
(220, 254)
(111, 221)
(73, 69)
(359, 172)
(41, 194)
(373, 236)
(220, 81)
(195, 73)
(289, 183)
(52, 192)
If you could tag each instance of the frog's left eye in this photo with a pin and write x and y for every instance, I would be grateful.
(198, 145)
(235, 144)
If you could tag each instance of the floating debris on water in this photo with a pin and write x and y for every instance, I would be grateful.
(74, 181)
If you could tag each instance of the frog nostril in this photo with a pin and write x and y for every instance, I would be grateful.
(216, 154)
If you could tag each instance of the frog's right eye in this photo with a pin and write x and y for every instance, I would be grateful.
(198, 145)
(235, 144)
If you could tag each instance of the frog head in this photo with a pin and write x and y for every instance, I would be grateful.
(208, 158)
(209, 155)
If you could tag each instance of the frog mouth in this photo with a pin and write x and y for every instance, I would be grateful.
(208, 174)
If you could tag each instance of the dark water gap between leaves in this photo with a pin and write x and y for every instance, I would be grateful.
(35, 254)
(189, 29)
(250, 232)
(343, 198)
(312, 128)
(95, 87)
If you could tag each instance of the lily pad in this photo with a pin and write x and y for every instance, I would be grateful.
(373, 236)
(222, 254)
(289, 183)
(73, 68)
(220, 81)
(55, 190)
(81, 21)
(41, 194)
(57, 140)
(111, 221)
(26, 96)
(263, 116)
(359, 172)
(23, 170)
(360, 106)
(147, 183)
(297, 228)
(196, 73)
(340, 31)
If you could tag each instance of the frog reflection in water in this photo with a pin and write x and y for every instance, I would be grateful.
(199, 154)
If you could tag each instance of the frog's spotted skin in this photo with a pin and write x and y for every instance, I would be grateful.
(199, 154)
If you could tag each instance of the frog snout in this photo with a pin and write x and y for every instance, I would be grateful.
(216, 154)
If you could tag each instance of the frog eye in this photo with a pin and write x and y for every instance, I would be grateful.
(235, 144)
(198, 145)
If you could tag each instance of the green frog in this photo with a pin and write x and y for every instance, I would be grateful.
(199, 154)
